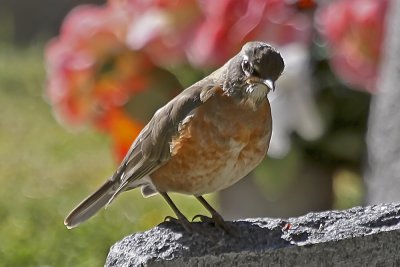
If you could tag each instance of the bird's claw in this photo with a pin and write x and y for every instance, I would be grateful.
(182, 221)
(203, 218)
(170, 219)
(217, 221)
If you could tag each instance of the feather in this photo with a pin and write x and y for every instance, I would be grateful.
(88, 207)
(149, 151)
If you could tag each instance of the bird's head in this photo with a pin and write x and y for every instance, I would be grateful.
(252, 73)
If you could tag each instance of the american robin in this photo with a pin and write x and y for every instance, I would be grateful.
(205, 139)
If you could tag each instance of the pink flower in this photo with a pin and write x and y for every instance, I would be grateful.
(96, 68)
(161, 28)
(228, 24)
(92, 73)
(354, 31)
(105, 55)
(89, 67)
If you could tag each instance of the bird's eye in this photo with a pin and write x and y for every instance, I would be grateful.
(255, 71)
(247, 68)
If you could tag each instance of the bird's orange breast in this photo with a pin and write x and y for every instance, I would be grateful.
(220, 144)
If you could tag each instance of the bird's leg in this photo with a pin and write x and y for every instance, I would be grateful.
(215, 216)
(181, 218)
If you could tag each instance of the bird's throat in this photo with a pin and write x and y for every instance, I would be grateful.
(256, 93)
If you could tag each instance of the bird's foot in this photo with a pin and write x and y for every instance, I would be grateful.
(182, 221)
(217, 221)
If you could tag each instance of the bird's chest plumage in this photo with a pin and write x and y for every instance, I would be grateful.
(219, 144)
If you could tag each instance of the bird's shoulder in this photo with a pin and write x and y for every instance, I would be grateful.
(152, 146)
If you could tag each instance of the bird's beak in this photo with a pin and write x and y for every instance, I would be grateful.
(270, 84)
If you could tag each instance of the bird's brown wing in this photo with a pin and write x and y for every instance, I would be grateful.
(152, 147)
(150, 150)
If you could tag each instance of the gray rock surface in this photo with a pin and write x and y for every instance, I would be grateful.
(361, 236)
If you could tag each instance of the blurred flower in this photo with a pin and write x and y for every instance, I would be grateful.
(107, 55)
(354, 31)
(122, 128)
(95, 69)
(92, 73)
(304, 4)
(89, 67)
(161, 27)
(228, 24)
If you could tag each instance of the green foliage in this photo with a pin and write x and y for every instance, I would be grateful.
(348, 189)
(286, 169)
(45, 171)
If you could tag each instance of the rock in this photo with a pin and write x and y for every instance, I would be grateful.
(358, 236)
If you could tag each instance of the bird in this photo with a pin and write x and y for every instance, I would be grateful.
(204, 140)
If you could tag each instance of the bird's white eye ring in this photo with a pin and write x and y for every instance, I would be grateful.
(247, 67)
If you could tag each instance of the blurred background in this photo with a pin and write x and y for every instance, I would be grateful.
(79, 79)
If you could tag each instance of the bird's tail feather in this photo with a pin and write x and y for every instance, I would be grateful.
(89, 207)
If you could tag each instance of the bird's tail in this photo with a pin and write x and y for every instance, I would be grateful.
(91, 205)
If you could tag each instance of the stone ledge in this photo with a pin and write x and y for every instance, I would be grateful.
(358, 236)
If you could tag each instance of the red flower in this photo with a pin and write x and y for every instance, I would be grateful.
(89, 67)
(160, 27)
(105, 55)
(228, 24)
(92, 72)
(354, 31)
(122, 128)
